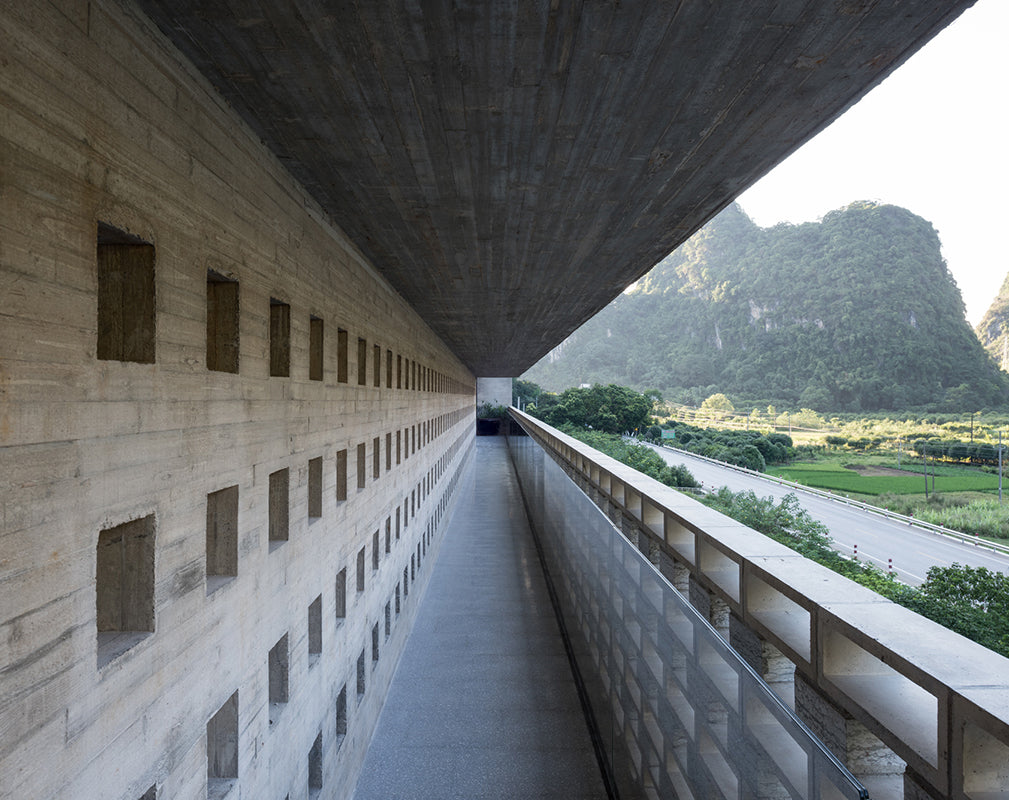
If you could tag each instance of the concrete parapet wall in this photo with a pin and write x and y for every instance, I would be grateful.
(936, 699)
(183, 525)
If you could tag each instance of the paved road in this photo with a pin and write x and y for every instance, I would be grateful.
(913, 550)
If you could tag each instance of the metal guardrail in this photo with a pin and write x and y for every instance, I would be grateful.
(882, 512)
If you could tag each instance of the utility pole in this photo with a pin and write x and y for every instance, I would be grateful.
(972, 427)
(1000, 467)
(898, 452)
(924, 459)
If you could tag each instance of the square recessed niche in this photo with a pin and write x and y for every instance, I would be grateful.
(126, 296)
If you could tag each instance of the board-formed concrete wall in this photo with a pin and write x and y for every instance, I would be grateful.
(181, 545)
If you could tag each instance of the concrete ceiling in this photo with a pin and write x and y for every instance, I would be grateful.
(510, 167)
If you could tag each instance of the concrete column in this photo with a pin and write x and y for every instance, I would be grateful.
(654, 552)
(916, 788)
(871, 761)
(675, 572)
(767, 660)
(714, 609)
(629, 528)
(613, 511)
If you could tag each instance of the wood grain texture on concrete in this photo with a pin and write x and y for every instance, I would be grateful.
(140, 591)
(511, 167)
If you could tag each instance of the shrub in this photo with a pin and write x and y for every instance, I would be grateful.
(638, 456)
(973, 602)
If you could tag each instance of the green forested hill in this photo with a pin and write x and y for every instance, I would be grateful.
(855, 312)
(994, 328)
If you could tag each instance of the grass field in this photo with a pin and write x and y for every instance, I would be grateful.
(836, 477)
(964, 500)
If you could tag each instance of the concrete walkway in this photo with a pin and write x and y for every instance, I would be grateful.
(483, 704)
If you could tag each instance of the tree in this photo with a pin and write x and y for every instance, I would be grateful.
(719, 404)
(612, 409)
(752, 458)
(527, 392)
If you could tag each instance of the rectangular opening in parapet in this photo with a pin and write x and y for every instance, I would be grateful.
(341, 476)
(280, 339)
(222, 749)
(986, 763)
(125, 587)
(360, 570)
(374, 645)
(315, 488)
(315, 631)
(377, 367)
(222, 323)
(399, 372)
(222, 537)
(388, 452)
(279, 521)
(126, 307)
(361, 675)
(341, 355)
(315, 349)
(150, 794)
(388, 620)
(362, 362)
(375, 551)
(388, 369)
(376, 458)
(278, 677)
(315, 768)
(341, 595)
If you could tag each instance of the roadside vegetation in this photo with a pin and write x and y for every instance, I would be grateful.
(973, 602)
(984, 517)
(883, 459)
(880, 459)
(638, 456)
(751, 449)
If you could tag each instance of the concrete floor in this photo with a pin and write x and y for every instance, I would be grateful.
(483, 704)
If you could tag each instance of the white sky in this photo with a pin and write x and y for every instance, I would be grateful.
(933, 138)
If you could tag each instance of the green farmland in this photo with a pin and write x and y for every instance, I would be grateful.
(869, 482)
